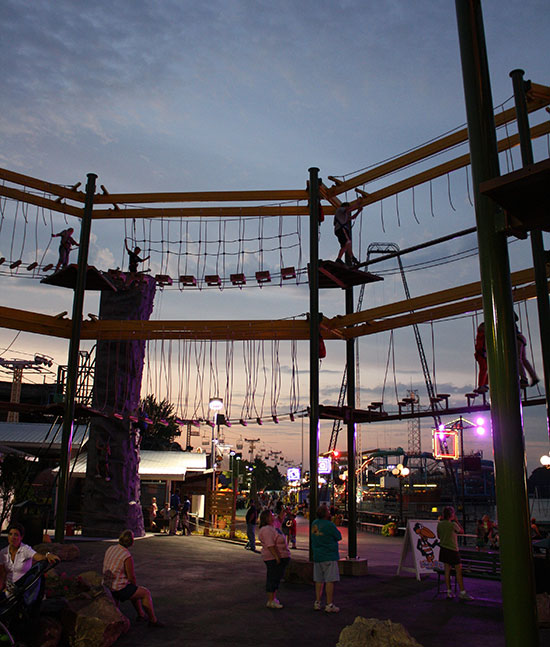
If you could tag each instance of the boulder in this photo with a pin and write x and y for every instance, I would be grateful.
(93, 620)
(371, 632)
(49, 632)
(66, 552)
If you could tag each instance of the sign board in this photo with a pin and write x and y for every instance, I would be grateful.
(293, 474)
(325, 465)
(420, 554)
(220, 503)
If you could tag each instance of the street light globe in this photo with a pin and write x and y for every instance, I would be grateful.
(545, 460)
(405, 471)
(215, 404)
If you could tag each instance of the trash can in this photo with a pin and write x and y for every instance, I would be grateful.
(29, 514)
(69, 528)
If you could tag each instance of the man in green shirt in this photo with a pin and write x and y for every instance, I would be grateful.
(447, 530)
(324, 544)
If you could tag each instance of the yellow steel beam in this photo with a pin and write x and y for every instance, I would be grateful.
(202, 196)
(202, 212)
(30, 198)
(423, 301)
(432, 314)
(537, 99)
(442, 169)
(47, 187)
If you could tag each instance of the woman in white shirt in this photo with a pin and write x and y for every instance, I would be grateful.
(17, 558)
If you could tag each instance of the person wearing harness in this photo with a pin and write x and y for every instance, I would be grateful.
(342, 230)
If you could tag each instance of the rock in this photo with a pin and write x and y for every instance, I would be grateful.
(91, 579)
(543, 609)
(66, 552)
(49, 632)
(93, 620)
(371, 632)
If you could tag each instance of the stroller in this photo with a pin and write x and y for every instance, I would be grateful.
(19, 611)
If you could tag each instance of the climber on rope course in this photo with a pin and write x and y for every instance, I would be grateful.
(342, 230)
(65, 245)
(133, 258)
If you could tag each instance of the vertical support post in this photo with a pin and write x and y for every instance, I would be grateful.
(518, 590)
(72, 368)
(537, 245)
(351, 436)
(313, 346)
(463, 481)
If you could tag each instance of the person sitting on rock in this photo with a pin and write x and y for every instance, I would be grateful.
(120, 578)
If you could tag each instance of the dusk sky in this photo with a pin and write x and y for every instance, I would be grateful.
(172, 95)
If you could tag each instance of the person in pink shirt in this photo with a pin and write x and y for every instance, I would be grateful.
(276, 556)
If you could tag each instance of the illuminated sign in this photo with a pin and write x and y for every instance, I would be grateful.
(445, 443)
(293, 474)
(325, 465)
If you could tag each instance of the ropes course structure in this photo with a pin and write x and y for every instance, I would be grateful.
(239, 239)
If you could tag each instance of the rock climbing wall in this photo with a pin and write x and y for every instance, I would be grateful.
(112, 488)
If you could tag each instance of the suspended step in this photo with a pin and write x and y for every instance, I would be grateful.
(238, 278)
(339, 275)
(188, 280)
(66, 278)
(163, 280)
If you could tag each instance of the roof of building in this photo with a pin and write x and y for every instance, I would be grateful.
(38, 435)
(155, 465)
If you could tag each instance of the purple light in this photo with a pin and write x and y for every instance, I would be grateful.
(441, 427)
(480, 431)
(480, 422)
(441, 436)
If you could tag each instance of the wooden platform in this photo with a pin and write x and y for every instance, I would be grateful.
(524, 196)
(338, 275)
(66, 278)
(347, 414)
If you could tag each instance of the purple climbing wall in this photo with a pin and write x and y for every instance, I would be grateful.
(112, 489)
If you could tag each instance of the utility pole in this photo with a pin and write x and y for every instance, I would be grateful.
(18, 366)
(252, 445)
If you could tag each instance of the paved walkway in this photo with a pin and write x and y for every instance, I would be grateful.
(211, 592)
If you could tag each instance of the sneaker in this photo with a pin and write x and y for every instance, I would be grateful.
(331, 608)
(534, 381)
(523, 383)
(317, 605)
(464, 595)
(450, 595)
(340, 261)
(274, 604)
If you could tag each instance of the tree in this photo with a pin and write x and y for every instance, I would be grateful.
(13, 482)
(539, 482)
(266, 477)
(158, 435)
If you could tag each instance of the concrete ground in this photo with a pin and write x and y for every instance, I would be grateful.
(211, 592)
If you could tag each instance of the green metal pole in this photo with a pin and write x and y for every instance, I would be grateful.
(518, 590)
(537, 245)
(351, 436)
(72, 369)
(314, 320)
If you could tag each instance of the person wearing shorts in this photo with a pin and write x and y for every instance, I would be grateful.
(447, 530)
(324, 543)
(120, 578)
